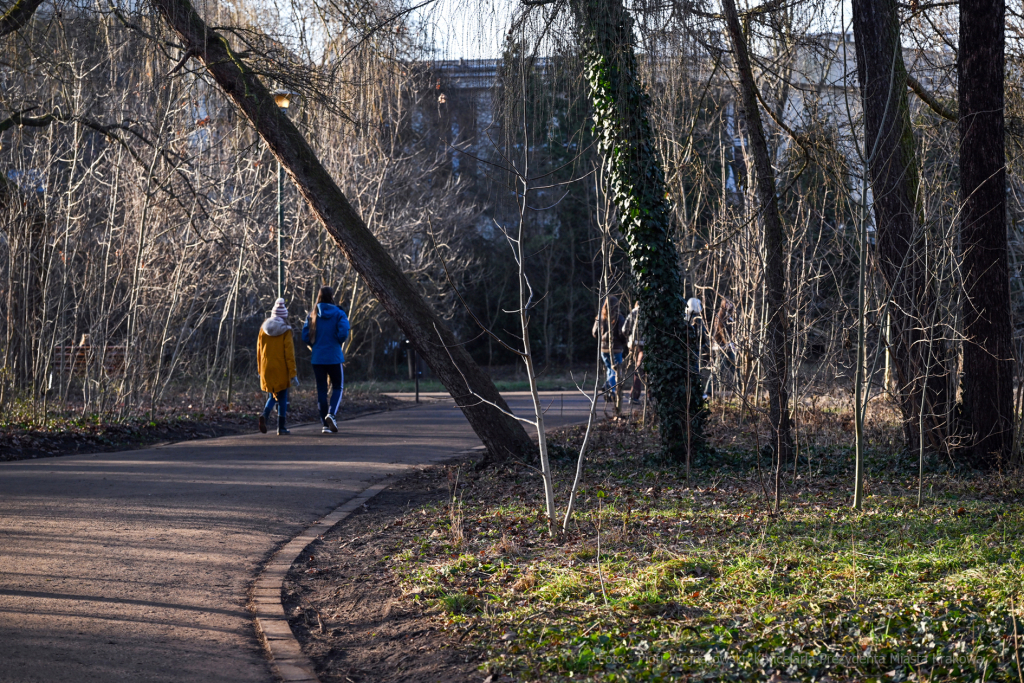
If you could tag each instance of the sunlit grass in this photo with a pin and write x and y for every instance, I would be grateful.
(701, 581)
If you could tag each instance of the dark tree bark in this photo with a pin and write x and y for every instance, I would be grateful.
(17, 15)
(503, 436)
(776, 296)
(889, 147)
(636, 182)
(988, 346)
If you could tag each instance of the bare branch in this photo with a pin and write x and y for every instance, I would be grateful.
(480, 399)
(444, 266)
(188, 54)
(929, 99)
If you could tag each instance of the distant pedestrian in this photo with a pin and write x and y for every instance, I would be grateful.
(723, 348)
(721, 328)
(275, 360)
(631, 328)
(324, 331)
(608, 328)
(695, 317)
(695, 313)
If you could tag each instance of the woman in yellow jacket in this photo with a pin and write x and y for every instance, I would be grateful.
(275, 358)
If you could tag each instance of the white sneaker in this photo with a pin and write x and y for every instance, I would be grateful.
(331, 424)
(326, 430)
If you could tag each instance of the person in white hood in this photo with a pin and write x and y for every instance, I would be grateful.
(275, 358)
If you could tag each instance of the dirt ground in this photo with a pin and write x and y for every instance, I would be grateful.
(348, 612)
(70, 436)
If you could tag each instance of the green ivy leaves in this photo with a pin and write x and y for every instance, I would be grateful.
(635, 179)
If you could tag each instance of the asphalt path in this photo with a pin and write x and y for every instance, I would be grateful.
(134, 566)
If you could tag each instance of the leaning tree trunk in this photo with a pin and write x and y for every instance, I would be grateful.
(775, 299)
(502, 435)
(889, 146)
(636, 181)
(988, 343)
(17, 15)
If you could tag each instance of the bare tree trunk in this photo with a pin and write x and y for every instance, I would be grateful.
(890, 149)
(988, 345)
(502, 435)
(776, 362)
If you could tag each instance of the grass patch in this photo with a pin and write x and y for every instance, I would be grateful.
(698, 581)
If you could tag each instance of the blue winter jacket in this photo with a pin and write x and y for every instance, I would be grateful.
(331, 330)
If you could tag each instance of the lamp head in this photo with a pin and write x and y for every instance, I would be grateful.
(283, 98)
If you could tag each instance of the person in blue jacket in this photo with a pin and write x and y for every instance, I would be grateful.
(324, 331)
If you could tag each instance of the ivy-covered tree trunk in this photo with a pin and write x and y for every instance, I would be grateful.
(636, 182)
(776, 296)
(889, 142)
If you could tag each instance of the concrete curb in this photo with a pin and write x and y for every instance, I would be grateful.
(287, 660)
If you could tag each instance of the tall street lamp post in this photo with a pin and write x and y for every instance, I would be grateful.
(283, 99)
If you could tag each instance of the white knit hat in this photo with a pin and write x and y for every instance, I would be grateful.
(693, 307)
(279, 309)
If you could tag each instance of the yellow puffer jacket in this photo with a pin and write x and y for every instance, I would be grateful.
(275, 358)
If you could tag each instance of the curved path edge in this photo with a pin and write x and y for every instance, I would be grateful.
(286, 657)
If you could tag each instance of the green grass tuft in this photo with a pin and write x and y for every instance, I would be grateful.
(697, 580)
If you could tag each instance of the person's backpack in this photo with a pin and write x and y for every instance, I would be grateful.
(618, 334)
